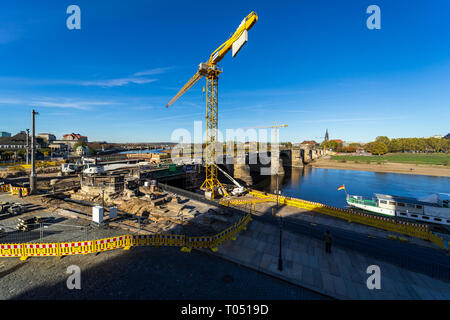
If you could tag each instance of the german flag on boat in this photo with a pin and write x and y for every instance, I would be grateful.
(341, 187)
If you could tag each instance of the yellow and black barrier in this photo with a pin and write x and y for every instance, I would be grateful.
(5, 188)
(26, 250)
(417, 230)
(13, 190)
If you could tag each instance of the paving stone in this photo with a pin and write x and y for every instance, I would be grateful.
(328, 283)
(339, 286)
(307, 275)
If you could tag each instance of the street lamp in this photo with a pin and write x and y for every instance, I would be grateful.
(280, 260)
(33, 154)
(103, 195)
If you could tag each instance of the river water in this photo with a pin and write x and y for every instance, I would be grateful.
(143, 151)
(320, 185)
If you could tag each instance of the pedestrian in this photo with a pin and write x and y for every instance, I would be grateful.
(328, 241)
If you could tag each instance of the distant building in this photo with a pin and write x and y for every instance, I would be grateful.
(81, 151)
(75, 137)
(48, 137)
(437, 136)
(18, 141)
(72, 139)
(4, 134)
(447, 136)
(57, 145)
(309, 143)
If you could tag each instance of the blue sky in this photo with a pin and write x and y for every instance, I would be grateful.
(311, 64)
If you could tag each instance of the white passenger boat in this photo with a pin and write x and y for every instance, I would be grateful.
(433, 209)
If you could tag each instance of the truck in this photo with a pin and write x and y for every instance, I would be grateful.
(90, 169)
(70, 168)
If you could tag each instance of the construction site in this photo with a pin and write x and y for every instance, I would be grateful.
(93, 204)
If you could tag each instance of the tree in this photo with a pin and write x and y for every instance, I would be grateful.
(379, 148)
(383, 139)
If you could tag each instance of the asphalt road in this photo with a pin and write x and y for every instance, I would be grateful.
(143, 273)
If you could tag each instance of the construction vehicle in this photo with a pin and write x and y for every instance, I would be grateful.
(211, 71)
(91, 169)
(239, 190)
(70, 168)
(10, 208)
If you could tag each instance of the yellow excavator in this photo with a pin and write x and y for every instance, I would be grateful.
(211, 71)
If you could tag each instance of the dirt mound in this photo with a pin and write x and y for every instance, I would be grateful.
(135, 206)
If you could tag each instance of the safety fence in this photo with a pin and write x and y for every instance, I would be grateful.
(13, 190)
(59, 249)
(18, 166)
(238, 202)
(417, 230)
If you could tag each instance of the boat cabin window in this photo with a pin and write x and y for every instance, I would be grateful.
(400, 204)
(414, 215)
(402, 213)
(437, 219)
(419, 207)
(392, 203)
(383, 201)
(425, 217)
(448, 221)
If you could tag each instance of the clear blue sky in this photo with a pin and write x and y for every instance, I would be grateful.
(312, 64)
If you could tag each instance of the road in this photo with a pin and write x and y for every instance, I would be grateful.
(143, 273)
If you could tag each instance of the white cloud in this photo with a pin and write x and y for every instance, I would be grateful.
(64, 103)
(153, 71)
(116, 82)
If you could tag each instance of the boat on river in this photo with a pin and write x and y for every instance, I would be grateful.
(432, 209)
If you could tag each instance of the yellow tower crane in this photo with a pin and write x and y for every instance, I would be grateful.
(211, 71)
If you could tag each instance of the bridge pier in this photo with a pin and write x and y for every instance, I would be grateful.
(307, 154)
(296, 158)
(242, 171)
(276, 165)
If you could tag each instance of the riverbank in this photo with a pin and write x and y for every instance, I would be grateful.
(392, 167)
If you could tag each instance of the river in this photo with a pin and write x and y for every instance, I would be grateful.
(143, 151)
(320, 185)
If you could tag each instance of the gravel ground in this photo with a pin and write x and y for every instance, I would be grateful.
(142, 273)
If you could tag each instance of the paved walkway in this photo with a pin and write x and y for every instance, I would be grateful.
(322, 219)
(341, 274)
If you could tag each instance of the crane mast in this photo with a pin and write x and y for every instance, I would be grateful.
(211, 72)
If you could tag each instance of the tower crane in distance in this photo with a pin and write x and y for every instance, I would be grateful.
(211, 71)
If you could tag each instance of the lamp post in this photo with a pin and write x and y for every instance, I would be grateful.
(33, 155)
(103, 195)
(28, 147)
(280, 260)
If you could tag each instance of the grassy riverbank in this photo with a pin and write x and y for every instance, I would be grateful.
(410, 158)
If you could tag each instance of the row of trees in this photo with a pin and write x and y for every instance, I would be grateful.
(383, 145)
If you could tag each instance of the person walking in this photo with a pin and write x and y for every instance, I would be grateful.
(328, 241)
